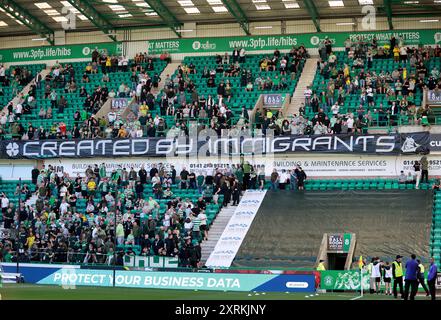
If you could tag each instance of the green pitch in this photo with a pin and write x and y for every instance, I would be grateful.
(44, 292)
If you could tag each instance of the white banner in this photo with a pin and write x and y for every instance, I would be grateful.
(338, 166)
(229, 243)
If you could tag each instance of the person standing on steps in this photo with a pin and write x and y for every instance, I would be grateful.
(397, 273)
(236, 193)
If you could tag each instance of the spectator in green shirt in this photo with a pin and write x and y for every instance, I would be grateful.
(102, 170)
(200, 182)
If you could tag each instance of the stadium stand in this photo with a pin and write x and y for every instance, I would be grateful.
(371, 105)
(147, 209)
(360, 69)
(66, 82)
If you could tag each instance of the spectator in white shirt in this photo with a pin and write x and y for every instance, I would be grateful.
(2, 73)
(156, 179)
(335, 109)
(307, 93)
(242, 55)
(64, 207)
(4, 203)
(203, 226)
(283, 179)
(18, 109)
(3, 119)
(350, 124)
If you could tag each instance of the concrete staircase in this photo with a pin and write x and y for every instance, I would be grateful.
(169, 70)
(305, 80)
(216, 230)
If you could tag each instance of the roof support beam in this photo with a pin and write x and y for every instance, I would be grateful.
(94, 16)
(238, 14)
(166, 15)
(313, 12)
(27, 19)
(388, 9)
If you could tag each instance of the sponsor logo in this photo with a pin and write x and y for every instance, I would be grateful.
(409, 145)
(226, 252)
(315, 40)
(245, 213)
(250, 201)
(197, 45)
(238, 225)
(231, 238)
(12, 149)
(86, 51)
(437, 37)
(297, 285)
(329, 280)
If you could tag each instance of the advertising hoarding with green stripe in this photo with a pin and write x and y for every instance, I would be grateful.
(347, 280)
(343, 280)
(283, 42)
(76, 51)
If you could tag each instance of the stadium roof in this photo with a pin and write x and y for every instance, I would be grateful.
(43, 17)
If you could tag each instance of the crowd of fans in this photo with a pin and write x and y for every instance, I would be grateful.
(331, 116)
(63, 76)
(16, 77)
(212, 111)
(117, 214)
(356, 77)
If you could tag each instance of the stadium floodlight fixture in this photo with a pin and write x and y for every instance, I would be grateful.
(192, 10)
(429, 20)
(291, 4)
(263, 27)
(336, 3)
(38, 39)
(345, 23)
(262, 7)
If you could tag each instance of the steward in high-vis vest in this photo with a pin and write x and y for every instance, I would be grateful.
(397, 273)
(420, 276)
(321, 266)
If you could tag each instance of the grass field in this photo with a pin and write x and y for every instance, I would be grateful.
(43, 292)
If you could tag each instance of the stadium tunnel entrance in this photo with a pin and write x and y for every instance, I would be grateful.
(337, 261)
